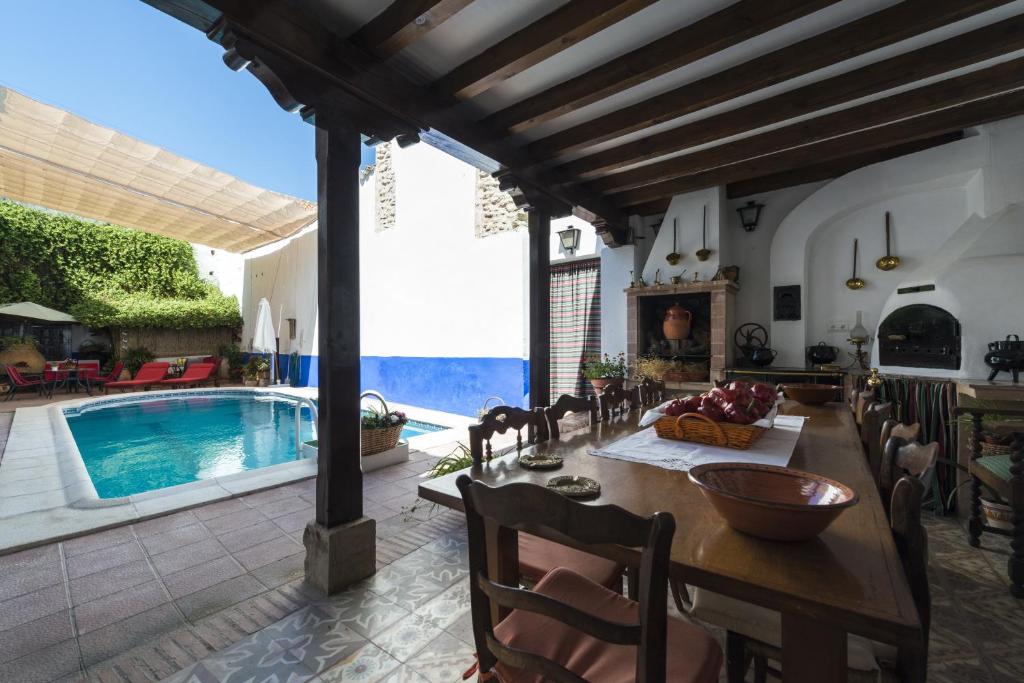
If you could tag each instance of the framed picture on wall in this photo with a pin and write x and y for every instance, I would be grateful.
(786, 302)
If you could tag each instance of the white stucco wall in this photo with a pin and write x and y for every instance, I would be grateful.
(687, 210)
(223, 268)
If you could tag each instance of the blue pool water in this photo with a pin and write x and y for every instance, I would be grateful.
(132, 447)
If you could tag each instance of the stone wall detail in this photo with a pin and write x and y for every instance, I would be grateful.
(496, 212)
(384, 208)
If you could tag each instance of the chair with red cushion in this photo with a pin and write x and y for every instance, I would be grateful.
(16, 381)
(194, 375)
(148, 375)
(611, 639)
(88, 370)
(113, 376)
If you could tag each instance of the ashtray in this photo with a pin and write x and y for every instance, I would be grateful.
(540, 462)
(574, 487)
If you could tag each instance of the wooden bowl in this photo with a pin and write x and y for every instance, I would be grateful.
(811, 394)
(776, 503)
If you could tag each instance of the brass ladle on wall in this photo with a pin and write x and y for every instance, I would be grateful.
(704, 253)
(674, 257)
(855, 282)
(887, 262)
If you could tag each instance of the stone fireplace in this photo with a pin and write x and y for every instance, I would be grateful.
(711, 305)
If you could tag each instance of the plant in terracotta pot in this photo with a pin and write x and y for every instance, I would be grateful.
(605, 370)
(256, 372)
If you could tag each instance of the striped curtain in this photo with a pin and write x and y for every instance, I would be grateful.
(575, 324)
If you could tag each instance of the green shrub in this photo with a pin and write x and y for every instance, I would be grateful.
(136, 357)
(27, 340)
(105, 275)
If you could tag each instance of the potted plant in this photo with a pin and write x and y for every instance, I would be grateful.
(381, 427)
(605, 370)
(135, 358)
(256, 372)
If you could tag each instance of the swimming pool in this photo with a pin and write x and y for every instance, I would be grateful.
(131, 445)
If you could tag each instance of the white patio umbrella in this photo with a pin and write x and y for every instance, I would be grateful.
(264, 340)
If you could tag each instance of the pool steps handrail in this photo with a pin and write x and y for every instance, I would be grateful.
(314, 414)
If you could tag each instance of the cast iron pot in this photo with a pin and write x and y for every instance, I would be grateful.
(1006, 361)
(822, 354)
(761, 356)
(1007, 344)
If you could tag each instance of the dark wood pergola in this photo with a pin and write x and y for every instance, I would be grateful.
(607, 135)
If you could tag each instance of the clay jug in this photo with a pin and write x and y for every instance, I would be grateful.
(676, 325)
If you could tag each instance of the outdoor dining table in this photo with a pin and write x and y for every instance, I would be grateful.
(848, 580)
(68, 378)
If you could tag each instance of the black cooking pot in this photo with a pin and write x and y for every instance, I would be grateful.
(1006, 361)
(1007, 344)
(822, 354)
(761, 356)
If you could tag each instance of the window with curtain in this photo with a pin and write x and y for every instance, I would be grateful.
(575, 324)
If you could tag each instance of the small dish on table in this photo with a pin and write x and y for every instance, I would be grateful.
(540, 462)
(574, 487)
(775, 503)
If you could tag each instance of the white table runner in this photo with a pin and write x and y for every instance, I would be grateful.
(775, 447)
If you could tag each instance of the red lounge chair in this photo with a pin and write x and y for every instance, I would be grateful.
(15, 381)
(194, 375)
(148, 375)
(113, 376)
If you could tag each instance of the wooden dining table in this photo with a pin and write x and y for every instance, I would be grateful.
(847, 580)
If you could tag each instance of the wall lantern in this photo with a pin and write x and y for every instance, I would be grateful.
(750, 215)
(570, 238)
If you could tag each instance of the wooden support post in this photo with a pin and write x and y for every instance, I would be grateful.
(540, 306)
(340, 543)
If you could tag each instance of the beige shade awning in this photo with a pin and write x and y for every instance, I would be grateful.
(26, 310)
(54, 159)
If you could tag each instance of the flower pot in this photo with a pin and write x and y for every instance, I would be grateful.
(251, 382)
(997, 515)
(676, 325)
(600, 383)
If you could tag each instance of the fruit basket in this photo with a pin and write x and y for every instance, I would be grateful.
(701, 429)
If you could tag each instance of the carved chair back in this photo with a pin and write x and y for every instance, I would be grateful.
(527, 507)
(901, 458)
(499, 420)
(860, 401)
(616, 401)
(871, 432)
(569, 404)
(912, 544)
(911, 432)
(651, 391)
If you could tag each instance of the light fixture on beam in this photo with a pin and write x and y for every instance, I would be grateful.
(570, 238)
(750, 214)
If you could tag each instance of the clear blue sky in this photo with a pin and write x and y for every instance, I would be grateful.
(125, 65)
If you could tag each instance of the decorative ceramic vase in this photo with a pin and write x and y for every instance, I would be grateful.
(676, 325)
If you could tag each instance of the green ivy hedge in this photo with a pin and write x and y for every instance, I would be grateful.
(105, 275)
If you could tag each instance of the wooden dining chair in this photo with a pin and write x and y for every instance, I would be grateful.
(754, 632)
(499, 420)
(890, 428)
(871, 432)
(579, 406)
(569, 629)
(537, 556)
(861, 401)
(900, 458)
(651, 391)
(617, 401)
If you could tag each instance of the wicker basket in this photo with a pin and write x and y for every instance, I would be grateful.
(378, 440)
(700, 429)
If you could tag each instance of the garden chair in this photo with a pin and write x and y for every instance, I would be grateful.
(578, 406)
(194, 375)
(568, 628)
(148, 375)
(1003, 475)
(757, 631)
(537, 556)
(16, 382)
(113, 376)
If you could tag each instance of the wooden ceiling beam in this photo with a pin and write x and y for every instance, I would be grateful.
(325, 61)
(402, 23)
(952, 91)
(549, 35)
(734, 24)
(916, 128)
(960, 51)
(832, 169)
(885, 27)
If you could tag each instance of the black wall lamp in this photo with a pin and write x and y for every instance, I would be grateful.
(750, 214)
(570, 238)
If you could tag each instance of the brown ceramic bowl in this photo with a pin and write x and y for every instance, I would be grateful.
(811, 394)
(776, 503)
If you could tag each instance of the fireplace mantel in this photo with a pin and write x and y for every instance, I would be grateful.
(723, 300)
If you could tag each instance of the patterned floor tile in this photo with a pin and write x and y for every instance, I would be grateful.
(369, 664)
(449, 606)
(443, 660)
(406, 638)
(363, 611)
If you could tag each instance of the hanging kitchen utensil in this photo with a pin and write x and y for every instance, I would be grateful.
(674, 257)
(855, 282)
(887, 262)
(704, 253)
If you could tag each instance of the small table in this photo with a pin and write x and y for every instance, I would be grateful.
(70, 378)
(849, 579)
